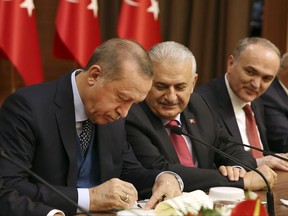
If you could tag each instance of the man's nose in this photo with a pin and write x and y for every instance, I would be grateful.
(256, 82)
(123, 109)
(171, 94)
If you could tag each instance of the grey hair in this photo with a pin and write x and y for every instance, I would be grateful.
(245, 42)
(284, 61)
(112, 54)
(172, 52)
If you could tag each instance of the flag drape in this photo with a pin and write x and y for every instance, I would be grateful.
(77, 30)
(19, 39)
(139, 20)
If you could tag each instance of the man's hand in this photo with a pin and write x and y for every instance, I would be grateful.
(253, 181)
(273, 162)
(113, 194)
(232, 172)
(165, 187)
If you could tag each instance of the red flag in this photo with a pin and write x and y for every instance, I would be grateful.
(19, 40)
(77, 30)
(139, 20)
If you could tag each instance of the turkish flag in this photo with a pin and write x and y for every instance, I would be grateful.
(139, 20)
(19, 40)
(77, 30)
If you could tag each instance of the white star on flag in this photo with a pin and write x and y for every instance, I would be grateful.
(154, 8)
(94, 7)
(29, 5)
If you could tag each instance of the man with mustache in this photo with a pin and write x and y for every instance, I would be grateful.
(171, 100)
(251, 68)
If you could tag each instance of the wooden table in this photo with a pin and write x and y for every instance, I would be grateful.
(280, 190)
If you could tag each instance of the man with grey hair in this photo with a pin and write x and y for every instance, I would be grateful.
(275, 101)
(171, 101)
(235, 97)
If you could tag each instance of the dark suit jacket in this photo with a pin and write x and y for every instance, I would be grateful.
(37, 126)
(19, 202)
(216, 94)
(275, 101)
(154, 149)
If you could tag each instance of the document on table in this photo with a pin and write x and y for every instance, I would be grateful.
(186, 203)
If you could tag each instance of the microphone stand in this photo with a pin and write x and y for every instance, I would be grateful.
(269, 194)
(229, 140)
(4, 155)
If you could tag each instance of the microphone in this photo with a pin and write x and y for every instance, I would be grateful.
(7, 157)
(269, 194)
(230, 140)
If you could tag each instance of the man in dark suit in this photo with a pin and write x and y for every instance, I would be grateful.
(275, 101)
(250, 71)
(175, 77)
(41, 127)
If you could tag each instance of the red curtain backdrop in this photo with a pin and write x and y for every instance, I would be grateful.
(77, 30)
(19, 40)
(139, 20)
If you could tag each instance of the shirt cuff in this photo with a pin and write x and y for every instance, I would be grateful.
(178, 178)
(83, 199)
(54, 211)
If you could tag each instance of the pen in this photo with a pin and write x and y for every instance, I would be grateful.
(137, 204)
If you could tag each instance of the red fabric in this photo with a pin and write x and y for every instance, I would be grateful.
(180, 146)
(252, 133)
(19, 40)
(137, 23)
(77, 30)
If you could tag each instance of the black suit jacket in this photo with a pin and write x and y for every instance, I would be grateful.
(216, 94)
(37, 127)
(275, 101)
(154, 149)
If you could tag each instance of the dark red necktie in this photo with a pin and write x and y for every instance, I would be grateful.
(180, 146)
(252, 132)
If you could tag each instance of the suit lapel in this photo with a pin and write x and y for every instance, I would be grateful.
(259, 117)
(199, 150)
(162, 134)
(227, 115)
(65, 117)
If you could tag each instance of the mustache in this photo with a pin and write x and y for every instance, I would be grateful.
(169, 103)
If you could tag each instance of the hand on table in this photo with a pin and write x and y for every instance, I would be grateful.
(273, 162)
(232, 172)
(166, 186)
(253, 181)
(113, 194)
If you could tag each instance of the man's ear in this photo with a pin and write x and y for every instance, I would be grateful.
(195, 78)
(94, 73)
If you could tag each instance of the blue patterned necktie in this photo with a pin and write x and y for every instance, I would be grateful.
(85, 136)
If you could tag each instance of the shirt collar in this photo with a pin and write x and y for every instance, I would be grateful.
(80, 114)
(165, 121)
(283, 86)
(237, 102)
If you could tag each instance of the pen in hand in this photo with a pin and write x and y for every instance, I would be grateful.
(138, 205)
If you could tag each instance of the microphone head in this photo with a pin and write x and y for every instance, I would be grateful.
(177, 130)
